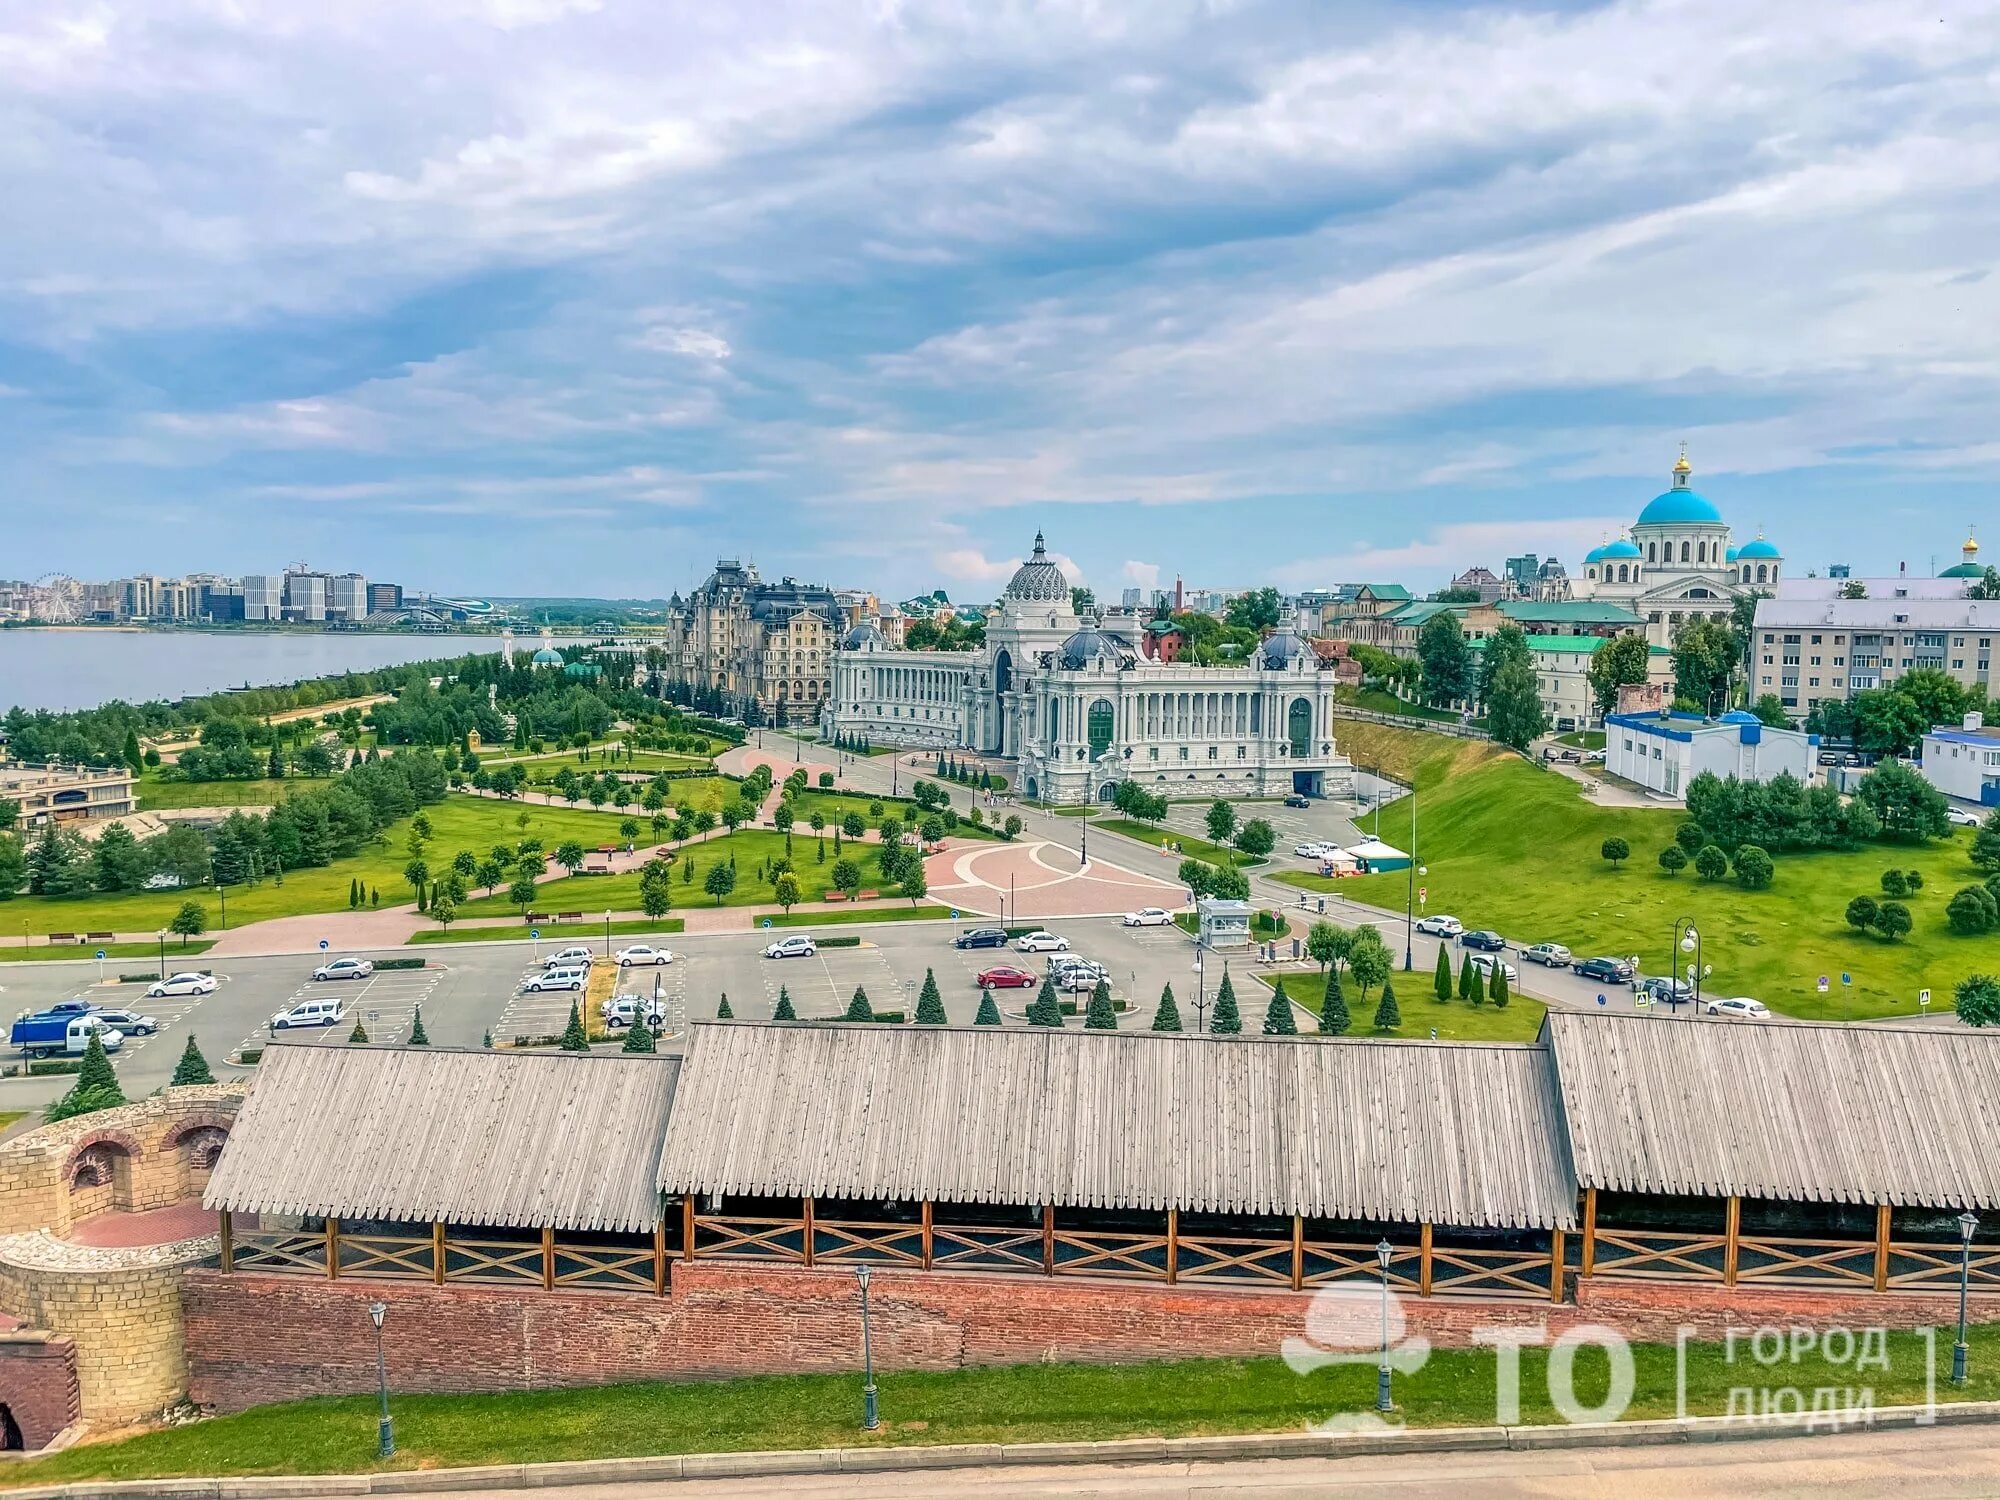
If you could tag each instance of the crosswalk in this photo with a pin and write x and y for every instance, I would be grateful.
(384, 1003)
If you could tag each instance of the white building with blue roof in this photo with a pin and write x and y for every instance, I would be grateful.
(1679, 562)
(1664, 752)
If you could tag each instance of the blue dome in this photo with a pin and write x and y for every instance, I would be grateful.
(1740, 716)
(548, 656)
(1679, 508)
(1758, 548)
(1732, 554)
(1617, 550)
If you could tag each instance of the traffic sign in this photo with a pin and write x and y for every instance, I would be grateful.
(767, 923)
(1923, 996)
(534, 932)
(1846, 978)
(1823, 984)
(954, 914)
(1423, 892)
(322, 945)
(1600, 998)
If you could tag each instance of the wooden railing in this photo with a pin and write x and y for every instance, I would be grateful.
(960, 1247)
(847, 1243)
(1789, 1261)
(1489, 1273)
(1919, 1266)
(279, 1250)
(1658, 1254)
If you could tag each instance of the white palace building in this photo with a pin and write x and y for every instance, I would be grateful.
(1078, 704)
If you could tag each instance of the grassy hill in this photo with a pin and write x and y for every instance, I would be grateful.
(1516, 848)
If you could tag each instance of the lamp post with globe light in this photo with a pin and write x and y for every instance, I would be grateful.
(385, 1427)
(1968, 1225)
(1383, 1250)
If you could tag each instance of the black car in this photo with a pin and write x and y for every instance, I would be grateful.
(1608, 970)
(1298, 799)
(1490, 942)
(981, 937)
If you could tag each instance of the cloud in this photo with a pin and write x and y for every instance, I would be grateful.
(1449, 550)
(1142, 575)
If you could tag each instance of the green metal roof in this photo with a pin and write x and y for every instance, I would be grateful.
(1387, 590)
(1569, 612)
(1556, 644)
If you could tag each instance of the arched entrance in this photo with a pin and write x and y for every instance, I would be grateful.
(1100, 724)
(1108, 792)
(1299, 726)
(1003, 684)
(10, 1431)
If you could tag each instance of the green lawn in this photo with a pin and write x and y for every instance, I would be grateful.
(1008, 1404)
(459, 822)
(1520, 1020)
(1376, 701)
(1153, 834)
(550, 931)
(1515, 848)
(841, 916)
(750, 846)
(833, 806)
(155, 794)
(43, 953)
(1583, 739)
(684, 794)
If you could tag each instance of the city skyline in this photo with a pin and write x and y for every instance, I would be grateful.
(1315, 298)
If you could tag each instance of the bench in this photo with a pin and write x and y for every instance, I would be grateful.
(63, 937)
(102, 937)
(867, 895)
(834, 896)
(569, 916)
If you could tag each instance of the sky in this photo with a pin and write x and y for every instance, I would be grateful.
(572, 297)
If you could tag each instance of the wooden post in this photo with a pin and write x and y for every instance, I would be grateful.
(1589, 1231)
(1732, 1228)
(437, 1251)
(806, 1228)
(333, 1249)
(927, 1234)
(1048, 1239)
(1173, 1245)
(1881, 1247)
(1556, 1265)
(227, 1230)
(687, 1227)
(1423, 1260)
(1298, 1252)
(660, 1258)
(548, 1257)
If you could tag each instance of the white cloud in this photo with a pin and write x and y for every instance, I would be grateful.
(1143, 575)
(698, 342)
(1448, 550)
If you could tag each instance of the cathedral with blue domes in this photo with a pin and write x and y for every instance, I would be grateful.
(1678, 562)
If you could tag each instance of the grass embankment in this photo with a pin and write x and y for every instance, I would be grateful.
(750, 847)
(1516, 848)
(1376, 701)
(1583, 739)
(156, 795)
(551, 932)
(1153, 834)
(46, 953)
(472, 823)
(1011, 1404)
(1520, 1020)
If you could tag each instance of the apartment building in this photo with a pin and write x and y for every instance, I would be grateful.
(1813, 651)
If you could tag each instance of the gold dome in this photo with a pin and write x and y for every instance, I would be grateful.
(1682, 466)
(1971, 545)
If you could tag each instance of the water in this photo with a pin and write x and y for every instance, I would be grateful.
(62, 669)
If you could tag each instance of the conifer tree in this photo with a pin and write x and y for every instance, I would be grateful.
(784, 1012)
(1465, 978)
(360, 1032)
(1334, 1019)
(96, 1085)
(192, 1068)
(1478, 995)
(1442, 982)
(1099, 1015)
(722, 1010)
(1047, 1010)
(1387, 1016)
(418, 1036)
(639, 1036)
(574, 1037)
(1168, 1016)
(1278, 1015)
(989, 1012)
(930, 1004)
(858, 1008)
(1498, 991)
(1228, 1020)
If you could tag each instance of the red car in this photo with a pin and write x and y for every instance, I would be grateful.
(1006, 977)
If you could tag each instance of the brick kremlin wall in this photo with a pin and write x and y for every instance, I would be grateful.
(257, 1338)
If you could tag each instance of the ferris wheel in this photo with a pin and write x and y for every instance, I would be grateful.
(57, 598)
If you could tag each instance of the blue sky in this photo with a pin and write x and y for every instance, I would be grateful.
(553, 296)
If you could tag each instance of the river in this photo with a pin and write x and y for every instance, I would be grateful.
(62, 669)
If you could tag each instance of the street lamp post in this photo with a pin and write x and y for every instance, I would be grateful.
(870, 1419)
(1200, 985)
(607, 934)
(163, 953)
(1687, 939)
(1409, 918)
(1383, 1250)
(222, 895)
(385, 1428)
(1968, 1225)
(1083, 847)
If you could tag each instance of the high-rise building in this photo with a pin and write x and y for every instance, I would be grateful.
(263, 596)
(347, 597)
(384, 596)
(306, 595)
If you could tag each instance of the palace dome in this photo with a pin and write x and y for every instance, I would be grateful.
(1280, 650)
(1039, 580)
(1090, 647)
(864, 637)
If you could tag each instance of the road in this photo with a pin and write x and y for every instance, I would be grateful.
(1943, 1462)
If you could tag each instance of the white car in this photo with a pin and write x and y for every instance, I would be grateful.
(1742, 1007)
(1041, 942)
(129, 1022)
(1313, 849)
(643, 953)
(1486, 963)
(310, 1013)
(1078, 978)
(554, 979)
(1440, 926)
(181, 984)
(1959, 817)
(620, 1009)
(1551, 955)
(1149, 916)
(345, 968)
(796, 946)
(568, 958)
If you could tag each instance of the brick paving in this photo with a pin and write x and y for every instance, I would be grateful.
(154, 1226)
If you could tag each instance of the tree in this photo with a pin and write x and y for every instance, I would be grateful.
(853, 826)
(989, 1011)
(1514, 711)
(574, 1037)
(1221, 822)
(1254, 609)
(359, 1035)
(1616, 850)
(1907, 805)
(639, 1035)
(1754, 868)
(1771, 711)
(1977, 997)
(1388, 1015)
(1496, 989)
(1228, 883)
(1441, 981)
(1690, 836)
(1167, 1017)
(1100, 1014)
(117, 862)
(1334, 1019)
(1325, 944)
(1972, 911)
(1986, 845)
(1892, 921)
(1446, 658)
(1046, 1009)
(1227, 1021)
(96, 1085)
(785, 890)
(1885, 721)
(1475, 983)
(1624, 661)
(192, 1068)
(846, 877)
(1256, 837)
(1895, 883)
(1196, 875)
(569, 854)
(418, 1036)
(1011, 829)
(1705, 658)
(914, 885)
(1508, 643)
(521, 892)
(784, 1010)
(1672, 860)
(723, 1010)
(1861, 913)
(191, 921)
(1711, 863)
(1468, 978)
(1278, 1019)
(444, 911)
(720, 880)
(930, 1004)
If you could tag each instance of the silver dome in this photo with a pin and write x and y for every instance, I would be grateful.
(1088, 647)
(1280, 650)
(1038, 579)
(864, 637)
